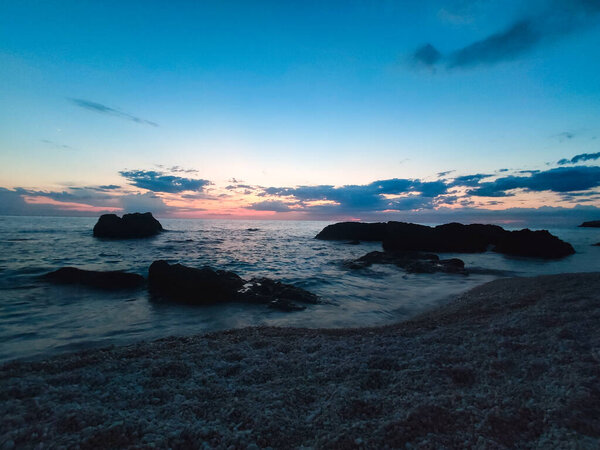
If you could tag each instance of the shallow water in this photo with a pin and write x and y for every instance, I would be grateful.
(37, 318)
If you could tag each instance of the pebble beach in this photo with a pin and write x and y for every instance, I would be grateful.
(512, 363)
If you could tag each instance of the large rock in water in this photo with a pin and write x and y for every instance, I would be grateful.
(136, 225)
(591, 224)
(539, 244)
(111, 280)
(354, 231)
(451, 238)
(206, 285)
(193, 285)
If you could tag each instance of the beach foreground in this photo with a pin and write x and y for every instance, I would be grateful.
(514, 362)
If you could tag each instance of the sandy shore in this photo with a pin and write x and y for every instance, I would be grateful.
(512, 363)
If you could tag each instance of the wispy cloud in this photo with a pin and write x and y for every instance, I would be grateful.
(103, 109)
(579, 158)
(56, 144)
(156, 181)
(557, 19)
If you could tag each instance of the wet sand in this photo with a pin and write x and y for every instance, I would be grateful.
(512, 363)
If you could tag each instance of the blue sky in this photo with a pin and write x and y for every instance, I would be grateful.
(234, 109)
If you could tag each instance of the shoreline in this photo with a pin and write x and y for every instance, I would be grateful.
(512, 362)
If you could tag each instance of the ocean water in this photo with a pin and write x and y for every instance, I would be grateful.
(39, 319)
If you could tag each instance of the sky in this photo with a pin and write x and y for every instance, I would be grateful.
(330, 110)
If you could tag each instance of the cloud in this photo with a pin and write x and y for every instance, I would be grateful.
(581, 157)
(519, 38)
(179, 169)
(426, 56)
(443, 174)
(555, 20)
(56, 144)
(376, 196)
(103, 109)
(160, 182)
(470, 180)
(561, 179)
(270, 205)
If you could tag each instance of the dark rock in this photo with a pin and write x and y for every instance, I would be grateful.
(193, 285)
(112, 280)
(413, 262)
(452, 237)
(400, 237)
(539, 244)
(597, 244)
(131, 226)
(205, 285)
(591, 224)
(353, 231)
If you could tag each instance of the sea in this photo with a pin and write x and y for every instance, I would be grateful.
(38, 319)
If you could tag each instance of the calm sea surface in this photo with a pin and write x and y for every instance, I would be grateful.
(38, 319)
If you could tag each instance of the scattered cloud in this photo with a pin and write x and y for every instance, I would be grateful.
(579, 158)
(561, 179)
(103, 109)
(56, 144)
(443, 174)
(156, 181)
(270, 205)
(554, 20)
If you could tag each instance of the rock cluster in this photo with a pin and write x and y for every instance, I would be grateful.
(205, 285)
(179, 283)
(130, 226)
(452, 237)
(591, 224)
(412, 262)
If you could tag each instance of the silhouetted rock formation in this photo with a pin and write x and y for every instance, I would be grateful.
(136, 225)
(205, 286)
(540, 244)
(353, 231)
(413, 262)
(591, 224)
(597, 244)
(453, 238)
(112, 280)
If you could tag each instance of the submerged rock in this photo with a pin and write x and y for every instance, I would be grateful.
(206, 285)
(276, 294)
(452, 237)
(111, 280)
(130, 226)
(413, 262)
(591, 224)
